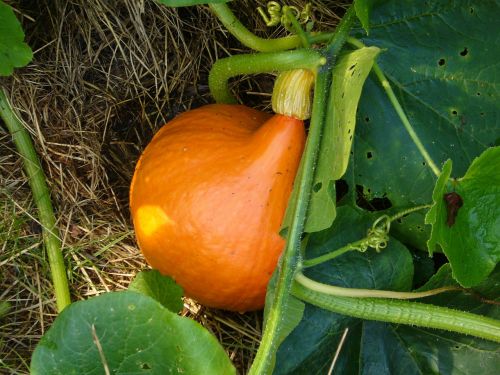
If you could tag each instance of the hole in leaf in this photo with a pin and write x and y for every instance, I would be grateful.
(350, 137)
(478, 93)
(454, 112)
(481, 114)
(369, 155)
(367, 119)
(471, 10)
(441, 62)
(342, 96)
(341, 189)
(423, 163)
(375, 204)
(317, 187)
(145, 366)
(464, 52)
(439, 260)
(352, 67)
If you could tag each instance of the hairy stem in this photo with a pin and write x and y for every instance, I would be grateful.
(41, 197)
(403, 312)
(399, 110)
(232, 66)
(249, 39)
(264, 361)
(299, 31)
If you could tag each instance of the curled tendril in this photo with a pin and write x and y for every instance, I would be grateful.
(277, 14)
(377, 236)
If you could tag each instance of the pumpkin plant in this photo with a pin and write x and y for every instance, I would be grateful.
(391, 105)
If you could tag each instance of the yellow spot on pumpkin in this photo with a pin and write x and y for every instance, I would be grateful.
(151, 218)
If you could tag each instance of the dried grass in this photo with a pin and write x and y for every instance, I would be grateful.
(106, 75)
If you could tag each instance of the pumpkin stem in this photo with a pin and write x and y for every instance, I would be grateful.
(292, 93)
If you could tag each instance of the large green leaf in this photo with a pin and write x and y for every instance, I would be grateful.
(162, 288)
(310, 347)
(440, 60)
(14, 52)
(129, 333)
(373, 348)
(471, 241)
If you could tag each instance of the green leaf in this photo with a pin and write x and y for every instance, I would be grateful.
(162, 288)
(14, 53)
(472, 243)
(363, 8)
(186, 3)
(311, 346)
(441, 352)
(349, 75)
(127, 332)
(373, 348)
(448, 87)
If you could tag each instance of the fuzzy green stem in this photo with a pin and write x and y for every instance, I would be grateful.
(298, 29)
(399, 110)
(232, 66)
(249, 39)
(41, 197)
(264, 361)
(403, 312)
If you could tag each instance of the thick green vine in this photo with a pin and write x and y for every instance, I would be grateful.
(402, 312)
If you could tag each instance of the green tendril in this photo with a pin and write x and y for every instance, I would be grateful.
(377, 237)
(281, 15)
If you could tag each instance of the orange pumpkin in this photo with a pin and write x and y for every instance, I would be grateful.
(208, 197)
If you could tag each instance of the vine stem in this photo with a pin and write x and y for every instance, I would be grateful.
(367, 293)
(249, 39)
(403, 312)
(399, 110)
(41, 197)
(276, 307)
(224, 69)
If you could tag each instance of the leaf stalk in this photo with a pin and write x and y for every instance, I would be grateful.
(399, 110)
